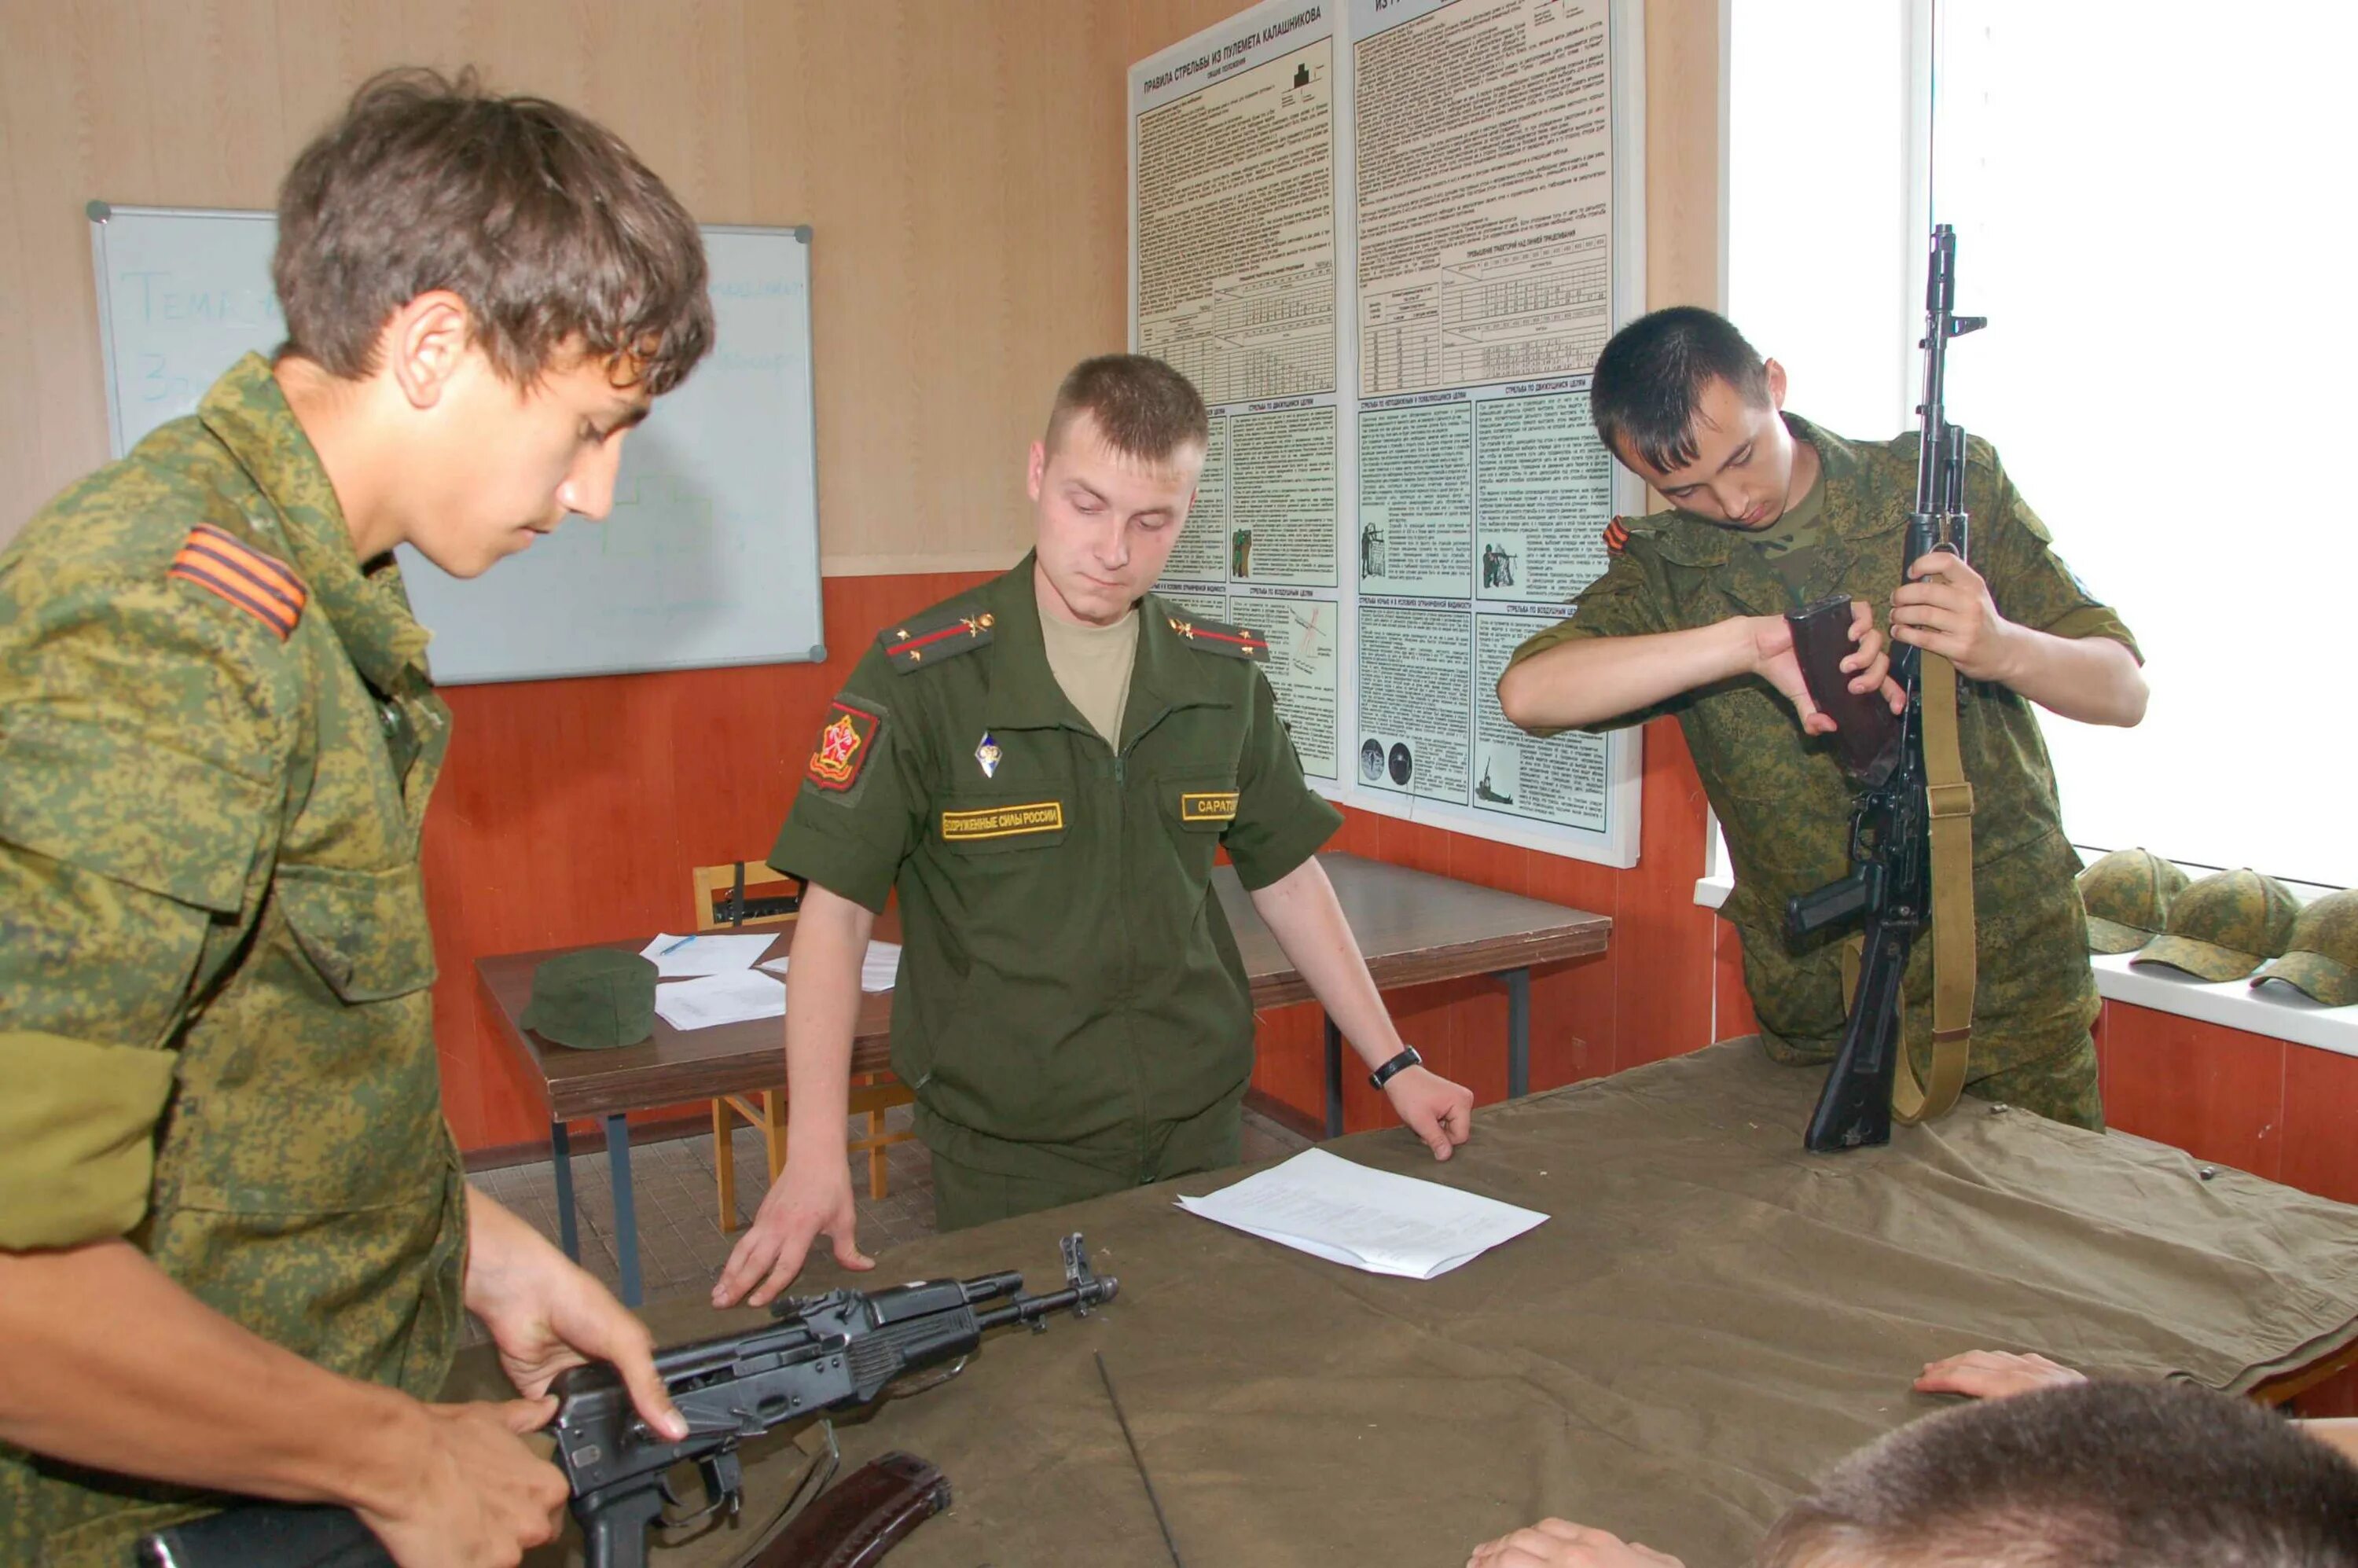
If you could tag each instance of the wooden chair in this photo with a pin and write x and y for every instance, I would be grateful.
(742, 894)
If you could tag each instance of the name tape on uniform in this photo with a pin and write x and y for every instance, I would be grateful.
(1004, 821)
(1219, 806)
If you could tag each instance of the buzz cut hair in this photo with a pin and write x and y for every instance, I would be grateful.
(2096, 1475)
(1145, 410)
(1647, 389)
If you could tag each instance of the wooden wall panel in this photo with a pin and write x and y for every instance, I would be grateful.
(572, 811)
(2217, 1093)
(962, 166)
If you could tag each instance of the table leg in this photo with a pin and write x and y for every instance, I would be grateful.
(1518, 1030)
(1333, 1077)
(626, 1215)
(560, 1149)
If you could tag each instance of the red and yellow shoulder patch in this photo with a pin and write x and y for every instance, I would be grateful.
(262, 586)
(1617, 536)
(845, 742)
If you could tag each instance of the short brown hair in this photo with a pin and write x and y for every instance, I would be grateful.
(1143, 407)
(541, 220)
(2098, 1475)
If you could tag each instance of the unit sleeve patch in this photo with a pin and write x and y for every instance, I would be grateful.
(846, 740)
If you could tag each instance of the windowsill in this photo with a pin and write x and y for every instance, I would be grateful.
(2275, 1009)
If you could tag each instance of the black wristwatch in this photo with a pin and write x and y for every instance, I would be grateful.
(1400, 1063)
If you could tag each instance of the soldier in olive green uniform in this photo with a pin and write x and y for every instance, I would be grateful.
(1775, 513)
(1045, 769)
(221, 1141)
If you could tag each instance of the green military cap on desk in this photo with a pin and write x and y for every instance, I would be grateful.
(2129, 894)
(2226, 926)
(596, 999)
(2321, 958)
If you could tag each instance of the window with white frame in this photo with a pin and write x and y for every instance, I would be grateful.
(2146, 210)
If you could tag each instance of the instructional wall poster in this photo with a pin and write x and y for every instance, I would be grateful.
(1387, 239)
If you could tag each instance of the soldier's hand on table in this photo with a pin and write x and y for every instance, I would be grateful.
(1945, 607)
(1440, 1112)
(1993, 1375)
(1560, 1543)
(803, 1203)
(475, 1494)
(546, 1313)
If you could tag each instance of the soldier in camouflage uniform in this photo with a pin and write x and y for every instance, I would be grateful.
(235, 1238)
(1044, 768)
(1773, 514)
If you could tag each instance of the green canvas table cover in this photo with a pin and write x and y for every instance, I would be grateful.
(1710, 1318)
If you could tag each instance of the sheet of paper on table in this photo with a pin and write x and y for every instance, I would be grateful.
(878, 969)
(721, 999)
(705, 953)
(1327, 1206)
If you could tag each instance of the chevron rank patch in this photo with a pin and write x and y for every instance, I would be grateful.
(933, 637)
(1617, 536)
(224, 564)
(846, 740)
(1213, 637)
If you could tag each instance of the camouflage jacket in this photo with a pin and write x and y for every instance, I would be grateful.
(1783, 803)
(217, 736)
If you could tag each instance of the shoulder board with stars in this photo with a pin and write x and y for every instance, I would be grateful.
(934, 636)
(1215, 637)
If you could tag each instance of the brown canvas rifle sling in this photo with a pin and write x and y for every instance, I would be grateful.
(1949, 801)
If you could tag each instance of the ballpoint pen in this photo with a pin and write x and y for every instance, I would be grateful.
(676, 946)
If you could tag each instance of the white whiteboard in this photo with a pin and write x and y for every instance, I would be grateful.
(710, 556)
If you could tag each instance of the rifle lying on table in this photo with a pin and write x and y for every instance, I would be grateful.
(1912, 827)
(832, 1352)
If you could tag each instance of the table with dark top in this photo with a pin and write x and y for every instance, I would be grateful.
(1414, 928)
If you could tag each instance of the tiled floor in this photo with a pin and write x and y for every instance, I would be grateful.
(681, 1245)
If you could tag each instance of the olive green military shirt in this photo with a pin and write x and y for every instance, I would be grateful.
(1068, 979)
(1783, 802)
(217, 737)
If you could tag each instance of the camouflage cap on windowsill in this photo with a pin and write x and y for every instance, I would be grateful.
(2129, 894)
(2321, 958)
(2226, 926)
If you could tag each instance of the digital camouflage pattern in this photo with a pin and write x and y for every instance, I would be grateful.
(1072, 1016)
(215, 1032)
(2322, 957)
(1784, 804)
(2127, 894)
(2226, 926)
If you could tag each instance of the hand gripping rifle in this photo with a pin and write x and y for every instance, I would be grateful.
(831, 1352)
(1912, 827)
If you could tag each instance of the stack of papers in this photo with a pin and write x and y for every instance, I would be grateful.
(721, 999)
(705, 953)
(878, 969)
(1331, 1208)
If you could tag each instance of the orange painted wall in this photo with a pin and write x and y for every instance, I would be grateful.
(572, 811)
